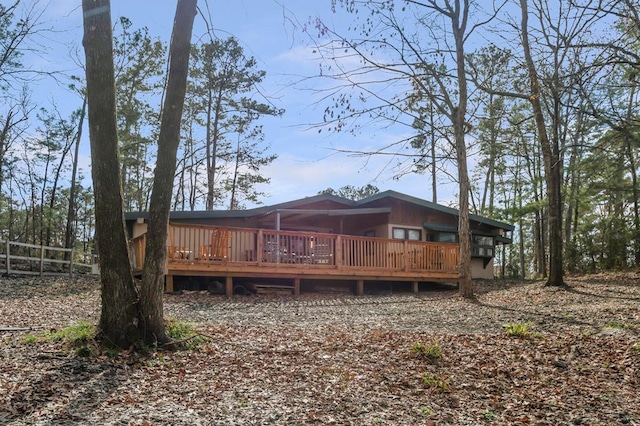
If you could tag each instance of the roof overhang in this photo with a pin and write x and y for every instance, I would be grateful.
(333, 212)
(503, 240)
(440, 228)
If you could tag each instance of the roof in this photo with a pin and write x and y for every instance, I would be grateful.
(258, 211)
(436, 207)
(354, 207)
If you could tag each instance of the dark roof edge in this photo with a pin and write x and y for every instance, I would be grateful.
(437, 207)
(291, 205)
(204, 214)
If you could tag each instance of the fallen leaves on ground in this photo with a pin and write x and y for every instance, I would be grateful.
(337, 359)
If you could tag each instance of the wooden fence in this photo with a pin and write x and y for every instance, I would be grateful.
(30, 259)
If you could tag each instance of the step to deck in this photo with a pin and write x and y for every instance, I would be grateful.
(273, 288)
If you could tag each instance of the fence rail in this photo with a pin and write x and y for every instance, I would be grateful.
(31, 259)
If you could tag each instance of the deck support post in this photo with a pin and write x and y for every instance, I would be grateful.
(296, 286)
(168, 283)
(360, 287)
(228, 288)
(414, 286)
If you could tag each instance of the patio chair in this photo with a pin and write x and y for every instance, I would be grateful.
(219, 247)
(321, 253)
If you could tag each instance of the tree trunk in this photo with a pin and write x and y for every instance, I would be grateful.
(69, 235)
(120, 316)
(552, 164)
(434, 171)
(234, 181)
(629, 145)
(213, 141)
(465, 282)
(160, 204)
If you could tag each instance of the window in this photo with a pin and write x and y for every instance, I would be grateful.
(442, 237)
(407, 234)
(482, 246)
(447, 237)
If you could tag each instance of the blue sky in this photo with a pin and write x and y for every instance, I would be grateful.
(271, 32)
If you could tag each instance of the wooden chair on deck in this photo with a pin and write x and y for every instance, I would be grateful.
(321, 252)
(219, 247)
(176, 252)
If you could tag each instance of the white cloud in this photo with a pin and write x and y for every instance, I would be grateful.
(294, 177)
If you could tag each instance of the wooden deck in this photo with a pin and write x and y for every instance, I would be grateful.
(200, 250)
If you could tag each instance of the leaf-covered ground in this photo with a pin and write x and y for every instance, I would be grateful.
(337, 359)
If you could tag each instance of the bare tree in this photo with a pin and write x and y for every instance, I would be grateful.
(128, 318)
(551, 155)
(120, 320)
(437, 74)
(160, 203)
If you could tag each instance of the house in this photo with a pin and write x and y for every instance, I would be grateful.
(390, 237)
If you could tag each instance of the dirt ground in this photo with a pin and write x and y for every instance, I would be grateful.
(336, 358)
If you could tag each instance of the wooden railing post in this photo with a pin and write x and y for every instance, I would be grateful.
(71, 263)
(41, 260)
(8, 257)
(405, 255)
(338, 256)
(259, 247)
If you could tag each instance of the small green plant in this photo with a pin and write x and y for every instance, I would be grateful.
(432, 381)
(430, 352)
(77, 335)
(30, 339)
(620, 325)
(636, 347)
(488, 415)
(426, 411)
(521, 330)
(183, 334)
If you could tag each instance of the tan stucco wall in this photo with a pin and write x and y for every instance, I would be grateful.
(478, 271)
(138, 229)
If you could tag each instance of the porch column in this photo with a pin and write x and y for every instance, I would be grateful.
(228, 290)
(360, 287)
(168, 283)
(277, 237)
(296, 286)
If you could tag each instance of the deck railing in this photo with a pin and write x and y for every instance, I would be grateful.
(202, 244)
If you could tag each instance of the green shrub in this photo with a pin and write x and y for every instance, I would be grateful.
(521, 330)
(183, 334)
(439, 384)
(430, 352)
